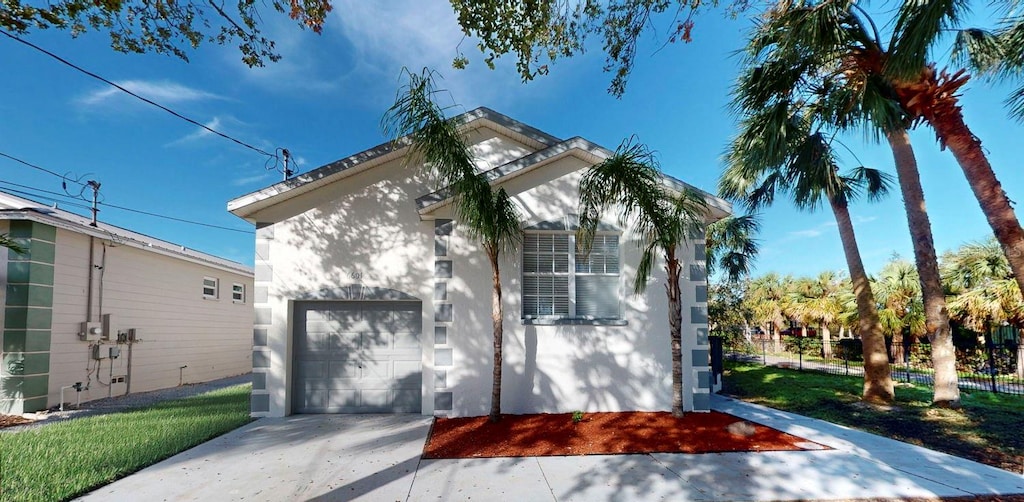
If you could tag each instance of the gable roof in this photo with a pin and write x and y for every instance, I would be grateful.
(248, 204)
(13, 207)
(578, 147)
(547, 148)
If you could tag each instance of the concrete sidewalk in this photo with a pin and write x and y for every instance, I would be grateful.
(360, 457)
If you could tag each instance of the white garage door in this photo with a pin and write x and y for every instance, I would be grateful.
(357, 357)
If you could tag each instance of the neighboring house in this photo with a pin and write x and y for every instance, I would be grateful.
(81, 293)
(369, 298)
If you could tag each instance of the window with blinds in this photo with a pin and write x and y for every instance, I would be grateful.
(558, 282)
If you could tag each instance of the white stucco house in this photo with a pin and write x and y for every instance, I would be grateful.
(115, 310)
(369, 298)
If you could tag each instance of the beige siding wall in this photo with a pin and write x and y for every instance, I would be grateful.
(5, 227)
(161, 297)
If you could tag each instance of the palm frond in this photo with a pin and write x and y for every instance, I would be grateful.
(7, 242)
(918, 26)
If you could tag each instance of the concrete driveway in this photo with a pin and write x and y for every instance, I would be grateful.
(377, 457)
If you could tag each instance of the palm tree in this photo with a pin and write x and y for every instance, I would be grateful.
(7, 242)
(979, 278)
(731, 246)
(777, 152)
(486, 214)
(998, 53)
(767, 299)
(820, 302)
(825, 54)
(630, 182)
(898, 292)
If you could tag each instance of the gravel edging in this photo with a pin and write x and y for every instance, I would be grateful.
(118, 404)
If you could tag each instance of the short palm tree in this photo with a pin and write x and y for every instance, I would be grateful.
(731, 246)
(983, 292)
(766, 296)
(776, 152)
(631, 183)
(819, 301)
(486, 214)
(7, 242)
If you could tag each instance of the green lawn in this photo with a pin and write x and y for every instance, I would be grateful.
(986, 429)
(60, 461)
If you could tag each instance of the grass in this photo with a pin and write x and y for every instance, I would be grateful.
(986, 429)
(66, 459)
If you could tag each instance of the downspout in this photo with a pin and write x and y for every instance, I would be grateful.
(88, 294)
(103, 269)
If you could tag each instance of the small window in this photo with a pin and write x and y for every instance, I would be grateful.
(211, 288)
(238, 293)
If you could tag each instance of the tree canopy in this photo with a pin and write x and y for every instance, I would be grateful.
(166, 27)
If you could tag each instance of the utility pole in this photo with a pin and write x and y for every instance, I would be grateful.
(287, 156)
(95, 186)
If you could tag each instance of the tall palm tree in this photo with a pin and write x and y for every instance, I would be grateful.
(831, 55)
(998, 53)
(777, 152)
(630, 182)
(486, 214)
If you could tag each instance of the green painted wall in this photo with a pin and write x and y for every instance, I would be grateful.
(28, 319)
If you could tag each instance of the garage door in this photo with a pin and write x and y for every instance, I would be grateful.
(357, 357)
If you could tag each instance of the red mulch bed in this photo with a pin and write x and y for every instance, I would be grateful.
(604, 434)
(12, 420)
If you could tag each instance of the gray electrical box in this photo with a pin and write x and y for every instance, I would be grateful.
(115, 352)
(90, 331)
(100, 351)
(108, 326)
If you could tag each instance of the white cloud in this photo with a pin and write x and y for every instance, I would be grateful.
(815, 231)
(226, 124)
(365, 45)
(163, 92)
(248, 180)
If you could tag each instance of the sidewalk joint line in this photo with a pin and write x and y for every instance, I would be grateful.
(545, 476)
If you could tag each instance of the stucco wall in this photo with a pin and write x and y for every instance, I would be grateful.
(363, 232)
(160, 296)
(560, 368)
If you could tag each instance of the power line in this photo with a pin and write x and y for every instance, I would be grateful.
(130, 93)
(43, 169)
(113, 206)
(176, 219)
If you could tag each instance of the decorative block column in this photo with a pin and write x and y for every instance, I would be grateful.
(443, 316)
(28, 318)
(264, 275)
(700, 354)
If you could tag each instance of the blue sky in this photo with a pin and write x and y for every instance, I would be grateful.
(324, 101)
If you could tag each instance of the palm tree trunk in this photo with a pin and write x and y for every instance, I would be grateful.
(675, 323)
(878, 385)
(826, 342)
(947, 392)
(496, 320)
(934, 98)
